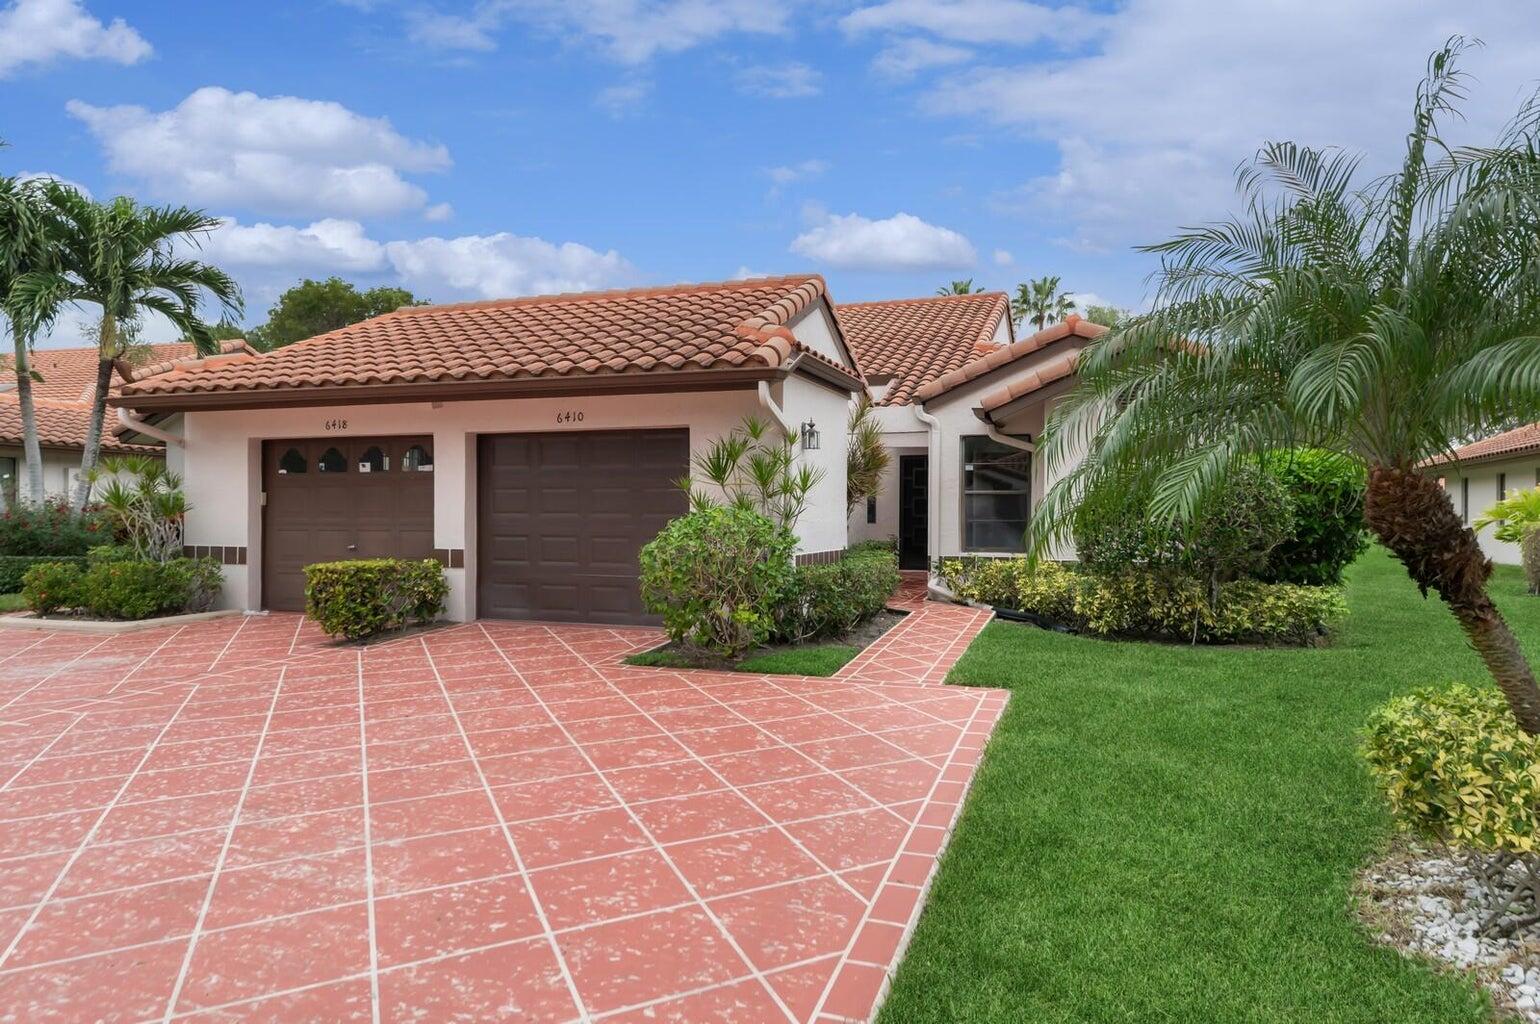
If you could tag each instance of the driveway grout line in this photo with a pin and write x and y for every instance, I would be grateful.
(363, 753)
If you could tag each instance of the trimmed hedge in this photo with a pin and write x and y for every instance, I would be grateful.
(364, 597)
(116, 588)
(1141, 604)
(1454, 766)
(831, 599)
(716, 575)
(14, 567)
(1328, 532)
(50, 528)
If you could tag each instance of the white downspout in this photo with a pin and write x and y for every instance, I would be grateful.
(1008, 440)
(776, 412)
(139, 426)
(933, 489)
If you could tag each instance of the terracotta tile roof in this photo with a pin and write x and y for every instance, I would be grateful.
(60, 425)
(1072, 327)
(69, 374)
(917, 340)
(678, 329)
(1039, 377)
(1510, 442)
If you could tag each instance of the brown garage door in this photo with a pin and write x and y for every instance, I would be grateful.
(333, 498)
(561, 518)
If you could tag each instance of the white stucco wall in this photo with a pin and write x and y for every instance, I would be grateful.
(1521, 474)
(221, 461)
(60, 468)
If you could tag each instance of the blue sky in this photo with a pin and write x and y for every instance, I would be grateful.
(503, 147)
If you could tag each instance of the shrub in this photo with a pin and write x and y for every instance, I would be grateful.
(14, 567)
(136, 589)
(1454, 766)
(50, 586)
(110, 553)
(368, 596)
(831, 599)
(716, 576)
(1151, 604)
(1328, 532)
(143, 500)
(49, 528)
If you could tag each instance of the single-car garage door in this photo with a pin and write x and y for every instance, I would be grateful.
(561, 518)
(334, 498)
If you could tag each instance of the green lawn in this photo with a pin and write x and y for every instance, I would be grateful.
(1169, 834)
(813, 660)
(11, 603)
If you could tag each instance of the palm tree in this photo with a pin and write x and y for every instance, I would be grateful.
(959, 288)
(122, 258)
(866, 456)
(1384, 321)
(24, 251)
(1040, 303)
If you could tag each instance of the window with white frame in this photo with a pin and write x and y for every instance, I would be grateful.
(997, 495)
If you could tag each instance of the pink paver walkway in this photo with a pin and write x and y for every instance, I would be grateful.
(237, 821)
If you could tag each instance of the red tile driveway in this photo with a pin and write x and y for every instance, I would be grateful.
(237, 821)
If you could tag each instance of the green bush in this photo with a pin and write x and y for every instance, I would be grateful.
(50, 586)
(716, 575)
(834, 598)
(49, 528)
(14, 567)
(1454, 766)
(1150, 604)
(110, 553)
(1327, 490)
(364, 597)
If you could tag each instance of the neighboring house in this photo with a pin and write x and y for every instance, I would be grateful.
(961, 403)
(63, 400)
(531, 445)
(1479, 475)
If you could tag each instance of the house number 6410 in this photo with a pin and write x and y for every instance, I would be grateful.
(569, 416)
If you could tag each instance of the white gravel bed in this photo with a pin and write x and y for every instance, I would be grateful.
(1429, 902)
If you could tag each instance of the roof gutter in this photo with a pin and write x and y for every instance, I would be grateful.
(139, 426)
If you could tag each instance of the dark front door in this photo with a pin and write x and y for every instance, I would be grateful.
(561, 519)
(334, 498)
(913, 511)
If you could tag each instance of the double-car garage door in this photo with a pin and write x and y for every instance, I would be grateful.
(560, 517)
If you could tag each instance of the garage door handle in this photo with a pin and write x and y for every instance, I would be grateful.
(352, 547)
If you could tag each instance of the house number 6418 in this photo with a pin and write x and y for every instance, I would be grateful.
(569, 416)
(336, 424)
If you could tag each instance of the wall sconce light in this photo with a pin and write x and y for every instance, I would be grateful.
(810, 437)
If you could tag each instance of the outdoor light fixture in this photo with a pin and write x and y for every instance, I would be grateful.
(810, 438)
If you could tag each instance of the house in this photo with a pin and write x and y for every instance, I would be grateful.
(62, 398)
(961, 402)
(532, 445)
(1477, 476)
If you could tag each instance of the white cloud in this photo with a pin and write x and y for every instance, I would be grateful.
(780, 81)
(1003, 258)
(504, 264)
(906, 57)
(329, 246)
(790, 174)
(623, 98)
(628, 31)
(900, 242)
(40, 31)
(278, 154)
(992, 22)
(1150, 122)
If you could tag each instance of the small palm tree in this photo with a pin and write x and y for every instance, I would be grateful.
(866, 457)
(24, 252)
(122, 258)
(1384, 321)
(960, 288)
(1040, 303)
(1514, 516)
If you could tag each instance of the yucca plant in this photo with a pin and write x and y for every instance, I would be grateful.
(1384, 320)
(753, 468)
(144, 502)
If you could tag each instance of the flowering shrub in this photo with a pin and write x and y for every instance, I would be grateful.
(50, 528)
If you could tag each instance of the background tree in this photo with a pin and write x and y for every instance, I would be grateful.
(1382, 322)
(24, 251)
(1108, 316)
(1041, 303)
(315, 307)
(960, 288)
(121, 258)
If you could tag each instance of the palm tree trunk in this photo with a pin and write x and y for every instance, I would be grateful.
(31, 449)
(93, 440)
(1412, 516)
